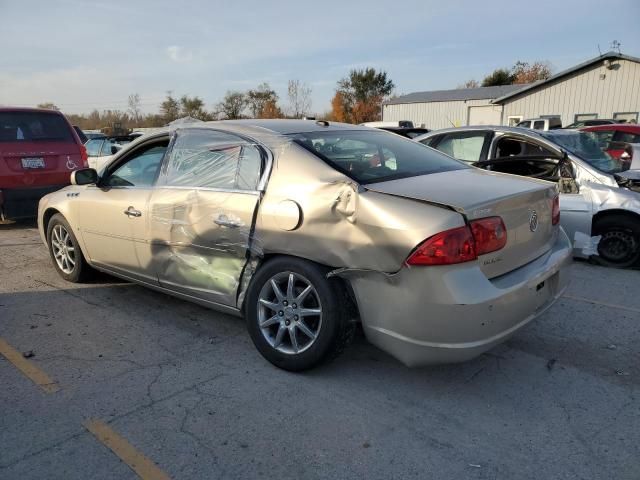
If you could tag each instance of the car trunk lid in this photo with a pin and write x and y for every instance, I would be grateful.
(524, 205)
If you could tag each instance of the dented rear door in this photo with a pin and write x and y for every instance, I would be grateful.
(203, 214)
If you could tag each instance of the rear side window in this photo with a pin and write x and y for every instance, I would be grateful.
(375, 156)
(204, 158)
(463, 146)
(34, 127)
(538, 125)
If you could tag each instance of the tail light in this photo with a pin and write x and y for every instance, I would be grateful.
(555, 210)
(489, 233)
(462, 244)
(84, 157)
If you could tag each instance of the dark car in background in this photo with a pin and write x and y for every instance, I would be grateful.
(38, 150)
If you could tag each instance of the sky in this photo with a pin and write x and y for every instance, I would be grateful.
(90, 54)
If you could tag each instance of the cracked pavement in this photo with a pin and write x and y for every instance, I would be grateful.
(186, 387)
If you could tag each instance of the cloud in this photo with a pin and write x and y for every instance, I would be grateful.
(179, 54)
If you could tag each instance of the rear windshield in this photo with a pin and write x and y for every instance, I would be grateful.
(34, 127)
(375, 156)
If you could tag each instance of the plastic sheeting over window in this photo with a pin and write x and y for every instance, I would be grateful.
(211, 159)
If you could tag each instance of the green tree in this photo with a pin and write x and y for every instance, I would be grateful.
(232, 105)
(193, 107)
(170, 108)
(500, 76)
(258, 98)
(360, 95)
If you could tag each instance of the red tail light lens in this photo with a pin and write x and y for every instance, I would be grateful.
(445, 248)
(555, 210)
(84, 157)
(489, 233)
(462, 244)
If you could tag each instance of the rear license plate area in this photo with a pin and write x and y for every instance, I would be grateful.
(32, 162)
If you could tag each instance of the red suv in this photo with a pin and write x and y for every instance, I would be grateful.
(38, 150)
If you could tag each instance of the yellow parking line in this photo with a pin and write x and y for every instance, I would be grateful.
(36, 375)
(610, 305)
(144, 468)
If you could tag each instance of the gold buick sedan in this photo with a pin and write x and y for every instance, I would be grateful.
(306, 228)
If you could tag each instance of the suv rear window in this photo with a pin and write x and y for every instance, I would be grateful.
(375, 156)
(34, 127)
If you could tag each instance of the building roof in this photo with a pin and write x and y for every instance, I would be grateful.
(564, 73)
(459, 94)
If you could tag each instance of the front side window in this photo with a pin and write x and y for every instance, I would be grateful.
(585, 146)
(627, 137)
(375, 156)
(139, 170)
(210, 159)
(463, 146)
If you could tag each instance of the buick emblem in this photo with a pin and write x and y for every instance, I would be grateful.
(533, 221)
(71, 165)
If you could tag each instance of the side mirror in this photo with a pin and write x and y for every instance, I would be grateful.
(115, 149)
(85, 176)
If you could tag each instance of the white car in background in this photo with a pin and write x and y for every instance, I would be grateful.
(599, 195)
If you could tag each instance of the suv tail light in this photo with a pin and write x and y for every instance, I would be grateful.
(84, 157)
(555, 210)
(462, 244)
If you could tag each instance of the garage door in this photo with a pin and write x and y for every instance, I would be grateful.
(485, 115)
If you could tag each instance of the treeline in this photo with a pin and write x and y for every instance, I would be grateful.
(261, 102)
(357, 99)
(520, 73)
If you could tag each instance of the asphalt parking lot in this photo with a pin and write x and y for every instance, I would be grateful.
(180, 392)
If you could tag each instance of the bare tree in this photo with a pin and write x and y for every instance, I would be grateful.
(299, 94)
(134, 108)
(469, 84)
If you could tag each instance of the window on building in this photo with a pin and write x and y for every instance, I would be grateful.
(513, 120)
(581, 117)
(628, 117)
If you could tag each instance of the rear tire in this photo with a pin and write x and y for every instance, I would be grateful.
(65, 252)
(619, 246)
(296, 317)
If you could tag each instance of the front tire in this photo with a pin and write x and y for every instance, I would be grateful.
(619, 246)
(65, 252)
(296, 317)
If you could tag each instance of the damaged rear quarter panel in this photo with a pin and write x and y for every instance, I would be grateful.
(340, 224)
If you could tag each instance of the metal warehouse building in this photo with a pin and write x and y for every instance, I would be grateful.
(607, 86)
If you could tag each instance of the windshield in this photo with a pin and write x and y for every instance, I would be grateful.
(585, 146)
(375, 156)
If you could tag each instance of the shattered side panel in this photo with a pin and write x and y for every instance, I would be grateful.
(339, 225)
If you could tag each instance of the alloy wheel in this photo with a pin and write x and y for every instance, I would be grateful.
(289, 313)
(64, 251)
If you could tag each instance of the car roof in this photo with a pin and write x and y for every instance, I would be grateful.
(287, 127)
(473, 128)
(618, 127)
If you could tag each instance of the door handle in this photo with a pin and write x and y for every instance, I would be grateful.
(225, 221)
(132, 212)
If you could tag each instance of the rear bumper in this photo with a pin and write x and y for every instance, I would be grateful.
(17, 203)
(431, 315)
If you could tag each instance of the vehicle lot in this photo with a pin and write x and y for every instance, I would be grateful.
(186, 388)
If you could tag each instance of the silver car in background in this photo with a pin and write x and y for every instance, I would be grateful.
(599, 195)
(306, 227)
